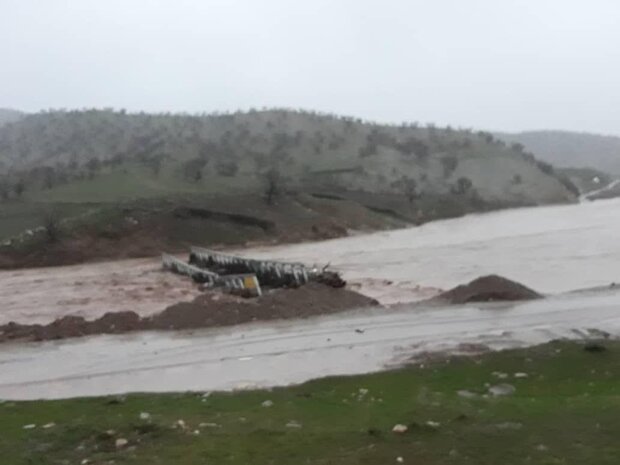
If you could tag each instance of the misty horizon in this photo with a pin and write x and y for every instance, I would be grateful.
(511, 67)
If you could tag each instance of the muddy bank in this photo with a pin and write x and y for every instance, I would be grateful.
(490, 288)
(210, 309)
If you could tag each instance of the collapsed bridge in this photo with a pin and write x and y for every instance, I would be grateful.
(247, 275)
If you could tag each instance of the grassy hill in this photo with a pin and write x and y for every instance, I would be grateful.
(336, 173)
(571, 149)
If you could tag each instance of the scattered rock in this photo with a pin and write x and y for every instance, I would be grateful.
(400, 459)
(145, 416)
(465, 394)
(267, 403)
(399, 429)
(49, 425)
(293, 424)
(30, 426)
(120, 443)
(521, 375)
(209, 425)
(180, 424)
(509, 425)
(488, 289)
(502, 390)
(500, 375)
(433, 424)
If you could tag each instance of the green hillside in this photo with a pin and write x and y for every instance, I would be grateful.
(144, 155)
(332, 174)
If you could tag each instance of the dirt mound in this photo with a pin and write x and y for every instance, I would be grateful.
(488, 289)
(207, 310)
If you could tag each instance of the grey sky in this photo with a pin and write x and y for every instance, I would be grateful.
(496, 64)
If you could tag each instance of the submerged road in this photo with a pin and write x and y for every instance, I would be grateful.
(263, 355)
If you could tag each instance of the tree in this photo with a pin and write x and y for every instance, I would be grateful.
(409, 188)
(228, 168)
(449, 164)
(155, 164)
(51, 224)
(273, 185)
(19, 188)
(49, 177)
(192, 169)
(463, 186)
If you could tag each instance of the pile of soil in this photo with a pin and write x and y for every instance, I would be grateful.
(207, 310)
(490, 288)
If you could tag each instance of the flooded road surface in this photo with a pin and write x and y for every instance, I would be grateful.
(551, 249)
(261, 355)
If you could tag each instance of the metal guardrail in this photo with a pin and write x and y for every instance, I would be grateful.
(267, 271)
(172, 263)
(247, 282)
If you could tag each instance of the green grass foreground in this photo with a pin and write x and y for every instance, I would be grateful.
(566, 411)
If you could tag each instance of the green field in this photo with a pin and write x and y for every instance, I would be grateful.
(566, 411)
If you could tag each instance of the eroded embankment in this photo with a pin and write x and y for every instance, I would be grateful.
(207, 310)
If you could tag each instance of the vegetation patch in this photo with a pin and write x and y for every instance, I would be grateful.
(552, 404)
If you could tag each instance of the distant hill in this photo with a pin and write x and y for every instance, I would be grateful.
(166, 153)
(571, 149)
(9, 116)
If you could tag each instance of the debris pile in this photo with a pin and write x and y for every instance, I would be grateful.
(488, 289)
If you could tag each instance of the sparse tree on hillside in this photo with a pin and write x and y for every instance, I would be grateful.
(409, 188)
(463, 186)
(51, 224)
(273, 185)
(155, 164)
(19, 188)
(228, 168)
(192, 169)
(49, 177)
(449, 164)
(5, 190)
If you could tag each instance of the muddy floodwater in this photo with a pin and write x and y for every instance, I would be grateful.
(551, 249)
(263, 355)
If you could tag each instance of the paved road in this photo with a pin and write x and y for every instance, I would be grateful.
(289, 352)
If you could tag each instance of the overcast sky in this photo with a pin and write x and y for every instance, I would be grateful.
(495, 64)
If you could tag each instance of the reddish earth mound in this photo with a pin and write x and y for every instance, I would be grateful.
(209, 309)
(488, 289)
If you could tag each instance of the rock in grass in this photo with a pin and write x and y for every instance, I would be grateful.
(267, 403)
(399, 429)
(502, 390)
(465, 394)
(293, 424)
(120, 443)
